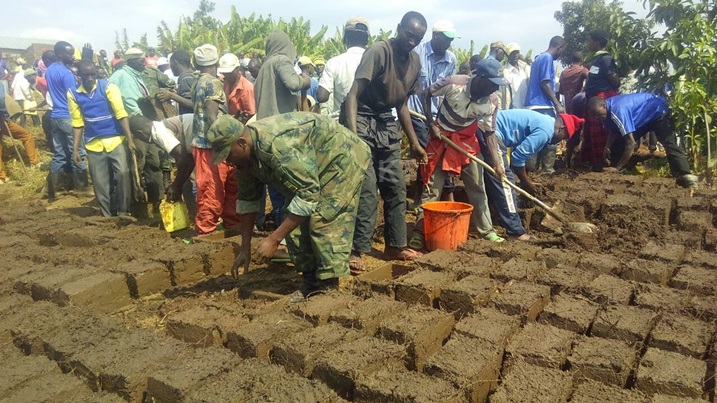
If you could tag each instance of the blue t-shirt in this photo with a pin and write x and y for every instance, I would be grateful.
(543, 68)
(631, 112)
(602, 67)
(526, 131)
(313, 89)
(59, 80)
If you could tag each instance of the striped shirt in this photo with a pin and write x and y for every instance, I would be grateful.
(458, 110)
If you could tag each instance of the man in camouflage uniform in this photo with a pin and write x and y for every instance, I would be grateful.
(319, 166)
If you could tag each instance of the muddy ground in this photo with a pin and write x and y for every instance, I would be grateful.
(113, 309)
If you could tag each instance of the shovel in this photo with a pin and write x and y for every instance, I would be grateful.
(140, 193)
(571, 225)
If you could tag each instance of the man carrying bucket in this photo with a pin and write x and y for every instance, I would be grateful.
(470, 104)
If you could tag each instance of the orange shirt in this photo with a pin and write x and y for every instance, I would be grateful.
(241, 97)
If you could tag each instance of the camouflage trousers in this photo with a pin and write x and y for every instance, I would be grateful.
(324, 246)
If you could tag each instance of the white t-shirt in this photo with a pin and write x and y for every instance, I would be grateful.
(21, 88)
(518, 77)
(338, 76)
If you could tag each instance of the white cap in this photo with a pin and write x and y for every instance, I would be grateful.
(227, 63)
(447, 28)
(206, 55)
(162, 61)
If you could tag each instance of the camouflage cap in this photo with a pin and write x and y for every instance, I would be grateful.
(222, 134)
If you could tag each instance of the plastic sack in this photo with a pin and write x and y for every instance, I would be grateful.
(175, 216)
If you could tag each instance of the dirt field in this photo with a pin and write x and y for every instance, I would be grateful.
(108, 310)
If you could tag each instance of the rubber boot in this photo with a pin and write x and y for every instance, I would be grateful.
(51, 185)
(548, 159)
(81, 184)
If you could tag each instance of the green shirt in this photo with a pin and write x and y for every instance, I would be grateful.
(132, 88)
(309, 158)
(206, 89)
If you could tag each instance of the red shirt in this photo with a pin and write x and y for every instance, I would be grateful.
(571, 83)
(116, 60)
(151, 61)
(41, 85)
(241, 97)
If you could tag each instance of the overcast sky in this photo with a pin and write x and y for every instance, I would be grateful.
(528, 22)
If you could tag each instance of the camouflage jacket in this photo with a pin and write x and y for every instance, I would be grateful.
(206, 88)
(315, 162)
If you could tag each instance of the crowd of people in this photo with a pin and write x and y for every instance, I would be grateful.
(324, 139)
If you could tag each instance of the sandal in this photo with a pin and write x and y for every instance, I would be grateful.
(406, 254)
(493, 237)
(417, 241)
(356, 264)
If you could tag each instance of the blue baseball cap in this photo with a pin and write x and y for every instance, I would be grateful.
(491, 69)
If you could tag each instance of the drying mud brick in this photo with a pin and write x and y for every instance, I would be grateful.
(468, 295)
(420, 328)
(340, 367)
(102, 292)
(699, 258)
(648, 271)
(702, 308)
(694, 221)
(298, 353)
(530, 383)
(317, 310)
(565, 279)
(670, 374)
(221, 257)
(40, 319)
(379, 281)
(17, 368)
(597, 392)
(695, 203)
(476, 265)
(607, 289)
(661, 298)
(257, 337)
(695, 280)
(405, 386)
(553, 257)
(470, 364)
(668, 253)
(189, 264)
(192, 368)
(682, 335)
(368, 314)
(518, 269)
(541, 345)
(49, 387)
(626, 323)
(686, 238)
(711, 240)
(600, 263)
(442, 260)
(256, 381)
(635, 211)
(144, 277)
(489, 325)
(15, 309)
(524, 299)
(568, 312)
(43, 285)
(422, 286)
(673, 399)
(204, 326)
(604, 360)
(503, 251)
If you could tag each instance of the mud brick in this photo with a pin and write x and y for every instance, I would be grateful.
(670, 373)
(597, 392)
(702, 308)
(403, 386)
(626, 204)
(565, 278)
(317, 310)
(692, 204)
(524, 299)
(626, 323)
(43, 285)
(648, 271)
(695, 280)
(298, 353)
(568, 312)
(256, 381)
(145, 277)
(670, 253)
(682, 335)
(368, 314)
(17, 368)
(518, 269)
(187, 265)
(102, 292)
(673, 399)
(470, 364)
(530, 383)
(28, 334)
(694, 221)
(711, 240)
(660, 298)
(50, 387)
(698, 258)
(503, 251)
(466, 296)
(600, 263)
(689, 239)
(475, 265)
(610, 290)
(257, 337)
(340, 367)
(542, 345)
(604, 360)
(489, 325)
(379, 281)
(204, 326)
(442, 260)
(554, 257)
(192, 368)
(422, 329)
(221, 257)
(422, 286)
(14, 307)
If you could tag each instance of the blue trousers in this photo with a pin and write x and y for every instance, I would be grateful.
(111, 180)
(62, 142)
(502, 197)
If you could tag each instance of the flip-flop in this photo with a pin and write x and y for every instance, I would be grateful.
(493, 237)
(417, 241)
(356, 265)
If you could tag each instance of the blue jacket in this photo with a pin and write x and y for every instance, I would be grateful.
(631, 112)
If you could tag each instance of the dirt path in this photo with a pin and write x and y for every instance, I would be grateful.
(109, 309)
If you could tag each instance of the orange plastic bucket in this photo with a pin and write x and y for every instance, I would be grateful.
(445, 224)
